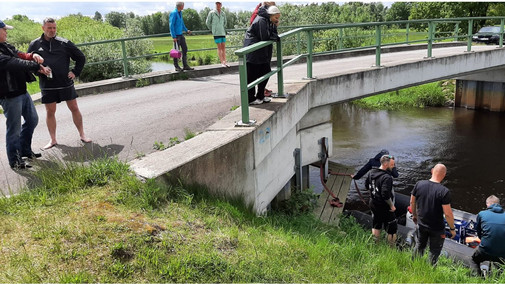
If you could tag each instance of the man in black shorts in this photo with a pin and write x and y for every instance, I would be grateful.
(380, 184)
(429, 202)
(59, 85)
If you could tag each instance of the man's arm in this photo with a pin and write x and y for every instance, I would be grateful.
(413, 208)
(76, 55)
(449, 217)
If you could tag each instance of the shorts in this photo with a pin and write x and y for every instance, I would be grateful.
(383, 218)
(59, 95)
(219, 39)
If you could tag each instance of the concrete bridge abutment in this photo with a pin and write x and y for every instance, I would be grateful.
(483, 90)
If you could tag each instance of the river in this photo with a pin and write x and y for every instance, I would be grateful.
(468, 142)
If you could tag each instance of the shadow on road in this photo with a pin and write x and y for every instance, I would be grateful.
(89, 152)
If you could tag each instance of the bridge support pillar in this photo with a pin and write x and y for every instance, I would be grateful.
(485, 90)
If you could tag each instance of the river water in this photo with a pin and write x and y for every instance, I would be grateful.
(470, 143)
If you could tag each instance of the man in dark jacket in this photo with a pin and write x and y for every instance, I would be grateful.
(263, 28)
(374, 163)
(380, 184)
(490, 228)
(15, 71)
(59, 85)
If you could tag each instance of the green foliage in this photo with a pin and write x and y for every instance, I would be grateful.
(399, 11)
(192, 20)
(188, 134)
(432, 94)
(160, 146)
(234, 108)
(25, 30)
(301, 202)
(142, 83)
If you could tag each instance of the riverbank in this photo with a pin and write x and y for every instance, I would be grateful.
(98, 223)
(435, 94)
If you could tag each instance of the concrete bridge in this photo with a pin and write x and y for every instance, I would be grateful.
(258, 163)
(252, 163)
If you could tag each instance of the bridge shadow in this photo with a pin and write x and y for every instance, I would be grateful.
(214, 80)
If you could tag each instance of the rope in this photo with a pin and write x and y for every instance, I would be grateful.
(355, 184)
(335, 202)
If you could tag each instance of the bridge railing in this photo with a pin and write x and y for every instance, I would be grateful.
(367, 30)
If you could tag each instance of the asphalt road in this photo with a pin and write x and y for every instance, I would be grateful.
(127, 123)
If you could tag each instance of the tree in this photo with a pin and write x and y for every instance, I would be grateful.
(231, 19)
(192, 19)
(203, 16)
(116, 19)
(399, 11)
(98, 17)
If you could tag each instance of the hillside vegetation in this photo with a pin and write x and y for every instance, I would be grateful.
(98, 223)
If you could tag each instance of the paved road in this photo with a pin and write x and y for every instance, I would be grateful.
(129, 122)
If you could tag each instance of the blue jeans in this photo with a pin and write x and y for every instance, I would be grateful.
(19, 137)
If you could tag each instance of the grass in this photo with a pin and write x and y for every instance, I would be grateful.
(194, 42)
(428, 95)
(98, 223)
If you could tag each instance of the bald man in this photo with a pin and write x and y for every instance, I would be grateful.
(429, 202)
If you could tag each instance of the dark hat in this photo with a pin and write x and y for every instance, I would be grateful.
(4, 26)
(218, 2)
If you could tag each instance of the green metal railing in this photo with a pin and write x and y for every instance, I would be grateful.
(431, 36)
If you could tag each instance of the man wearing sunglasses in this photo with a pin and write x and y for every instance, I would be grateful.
(380, 184)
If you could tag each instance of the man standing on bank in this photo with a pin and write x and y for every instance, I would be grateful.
(380, 184)
(177, 28)
(59, 85)
(216, 22)
(15, 71)
(490, 228)
(429, 202)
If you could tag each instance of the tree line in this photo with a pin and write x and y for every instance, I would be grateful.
(324, 13)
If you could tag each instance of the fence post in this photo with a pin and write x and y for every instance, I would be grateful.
(407, 31)
(298, 44)
(377, 45)
(125, 61)
(501, 32)
(456, 32)
(340, 38)
(309, 56)
(469, 36)
(244, 97)
(430, 38)
(280, 76)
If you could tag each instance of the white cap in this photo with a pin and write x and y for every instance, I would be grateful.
(272, 10)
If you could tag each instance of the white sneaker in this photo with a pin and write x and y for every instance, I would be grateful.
(256, 102)
(267, 100)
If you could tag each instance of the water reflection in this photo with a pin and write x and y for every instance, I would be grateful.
(468, 142)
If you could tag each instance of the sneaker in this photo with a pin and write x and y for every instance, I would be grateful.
(178, 69)
(267, 100)
(188, 68)
(20, 166)
(256, 102)
(32, 155)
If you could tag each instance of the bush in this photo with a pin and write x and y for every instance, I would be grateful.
(81, 29)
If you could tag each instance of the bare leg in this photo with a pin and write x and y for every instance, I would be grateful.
(51, 125)
(376, 234)
(392, 240)
(77, 117)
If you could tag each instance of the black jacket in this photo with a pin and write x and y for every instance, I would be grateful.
(380, 184)
(261, 30)
(57, 53)
(14, 72)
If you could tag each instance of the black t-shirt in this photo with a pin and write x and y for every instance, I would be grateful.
(430, 196)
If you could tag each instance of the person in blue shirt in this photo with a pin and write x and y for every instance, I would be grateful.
(177, 28)
(490, 228)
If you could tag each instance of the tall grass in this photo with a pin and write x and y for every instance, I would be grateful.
(428, 95)
(98, 223)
